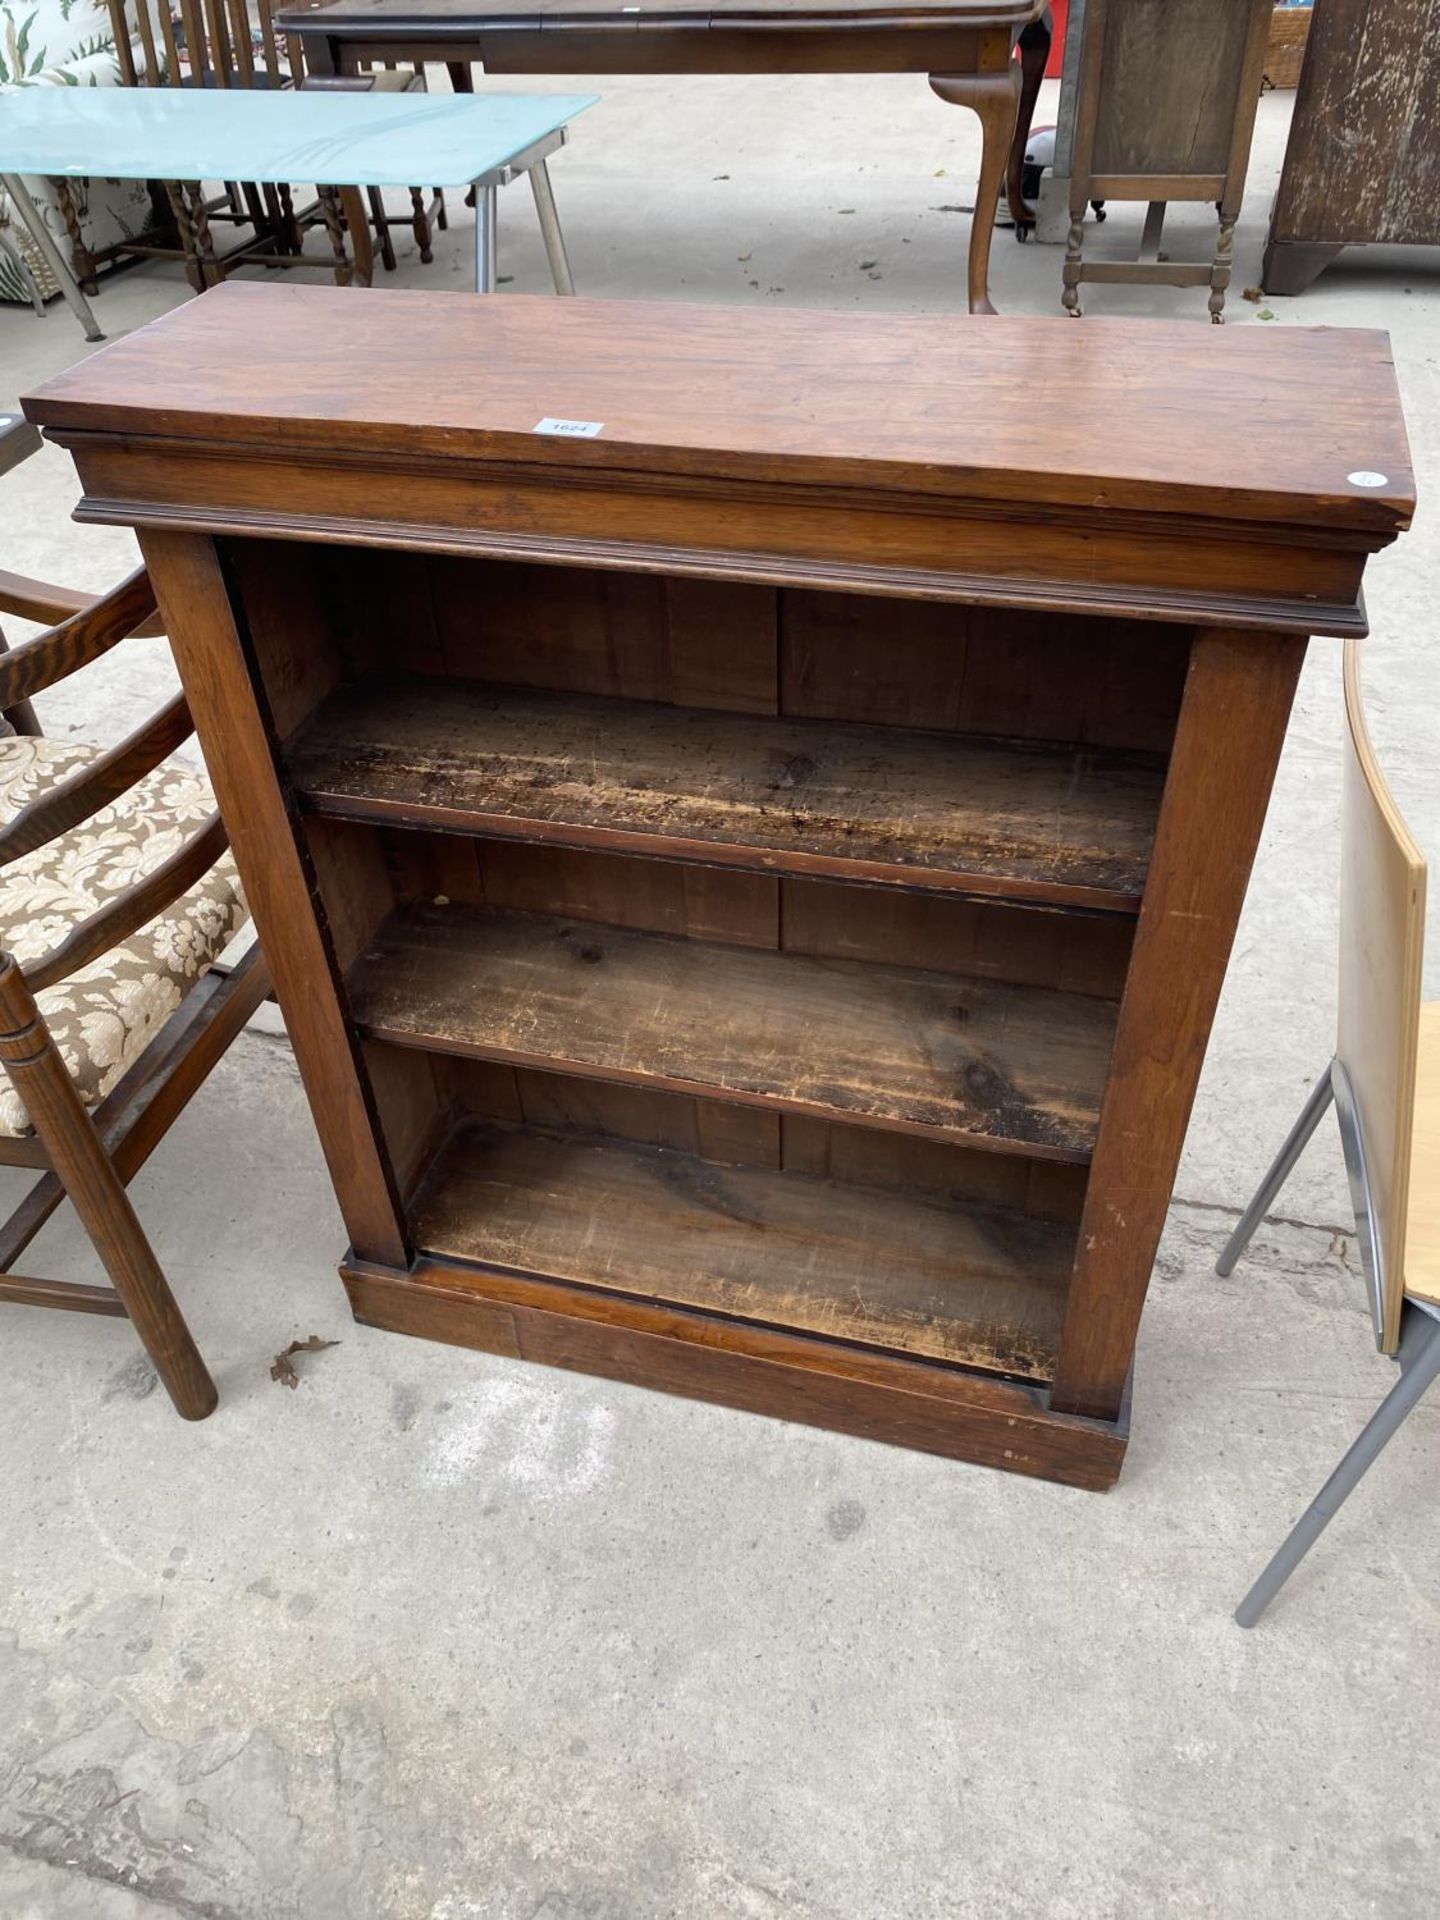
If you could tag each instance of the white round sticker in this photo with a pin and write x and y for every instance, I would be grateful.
(1367, 479)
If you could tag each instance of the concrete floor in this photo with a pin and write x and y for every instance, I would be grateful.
(442, 1635)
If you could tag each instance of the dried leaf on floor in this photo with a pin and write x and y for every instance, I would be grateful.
(282, 1367)
(1257, 294)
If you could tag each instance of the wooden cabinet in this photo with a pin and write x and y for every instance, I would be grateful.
(1363, 163)
(749, 875)
(1165, 110)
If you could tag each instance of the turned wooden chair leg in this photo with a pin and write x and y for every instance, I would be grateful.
(357, 223)
(381, 222)
(68, 1135)
(420, 223)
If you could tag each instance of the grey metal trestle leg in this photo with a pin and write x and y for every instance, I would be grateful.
(1283, 1164)
(1333, 1085)
(486, 198)
(22, 266)
(531, 161)
(29, 213)
(550, 228)
(1419, 1358)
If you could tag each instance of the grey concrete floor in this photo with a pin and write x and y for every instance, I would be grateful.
(442, 1635)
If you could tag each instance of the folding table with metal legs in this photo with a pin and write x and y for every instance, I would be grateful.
(364, 140)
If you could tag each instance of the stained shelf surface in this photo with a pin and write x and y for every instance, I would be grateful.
(950, 812)
(973, 1286)
(978, 1061)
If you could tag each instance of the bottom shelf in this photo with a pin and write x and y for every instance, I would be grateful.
(910, 1274)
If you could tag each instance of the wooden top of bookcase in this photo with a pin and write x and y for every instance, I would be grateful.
(1151, 418)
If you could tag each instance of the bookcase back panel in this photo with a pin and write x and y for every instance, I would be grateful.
(986, 670)
(730, 1135)
(1075, 952)
(737, 647)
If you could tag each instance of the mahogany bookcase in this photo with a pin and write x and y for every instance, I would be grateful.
(747, 814)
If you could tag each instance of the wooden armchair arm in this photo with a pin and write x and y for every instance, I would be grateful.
(38, 600)
(51, 656)
(115, 922)
(18, 440)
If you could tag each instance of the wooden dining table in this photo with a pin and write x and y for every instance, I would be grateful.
(966, 47)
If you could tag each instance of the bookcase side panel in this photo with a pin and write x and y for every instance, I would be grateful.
(218, 669)
(1237, 702)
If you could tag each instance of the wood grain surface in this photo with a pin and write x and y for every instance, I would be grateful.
(1377, 1026)
(1232, 726)
(1160, 417)
(1012, 1067)
(1422, 1226)
(907, 1402)
(1371, 85)
(975, 1286)
(911, 808)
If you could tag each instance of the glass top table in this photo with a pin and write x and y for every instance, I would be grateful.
(324, 138)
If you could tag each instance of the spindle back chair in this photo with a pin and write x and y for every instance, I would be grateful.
(116, 899)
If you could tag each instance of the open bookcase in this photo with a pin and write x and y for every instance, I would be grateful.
(732, 941)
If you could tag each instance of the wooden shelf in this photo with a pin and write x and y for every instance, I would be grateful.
(888, 806)
(977, 1061)
(973, 1286)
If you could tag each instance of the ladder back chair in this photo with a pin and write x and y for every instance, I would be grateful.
(117, 896)
(1384, 1083)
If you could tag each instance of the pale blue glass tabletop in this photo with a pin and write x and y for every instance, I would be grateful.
(326, 139)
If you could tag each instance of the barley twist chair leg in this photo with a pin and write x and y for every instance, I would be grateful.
(68, 1135)
(357, 225)
(335, 227)
(420, 222)
(185, 229)
(294, 239)
(84, 260)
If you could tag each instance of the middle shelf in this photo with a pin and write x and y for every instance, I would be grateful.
(1056, 824)
(983, 1062)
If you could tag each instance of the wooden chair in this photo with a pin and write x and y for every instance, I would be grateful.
(117, 896)
(1384, 1082)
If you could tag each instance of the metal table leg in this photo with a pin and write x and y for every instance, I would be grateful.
(22, 266)
(550, 228)
(1419, 1358)
(50, 253)
(486, 199)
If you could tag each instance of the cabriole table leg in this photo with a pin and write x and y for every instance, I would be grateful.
(995, 98)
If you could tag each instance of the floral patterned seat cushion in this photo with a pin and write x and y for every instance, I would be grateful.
(103, 1017)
